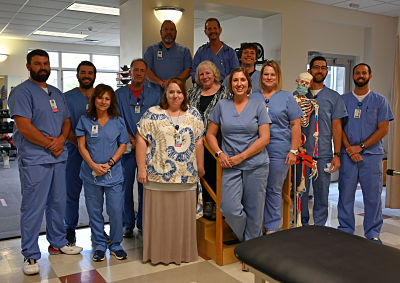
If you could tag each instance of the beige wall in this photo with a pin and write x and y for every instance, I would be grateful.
(308, 26)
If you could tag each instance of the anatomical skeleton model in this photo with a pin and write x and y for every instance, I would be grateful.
(307, 105)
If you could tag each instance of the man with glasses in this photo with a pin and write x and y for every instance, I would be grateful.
(133, 100)
(331, 110)
(223, 56)
(167, 59)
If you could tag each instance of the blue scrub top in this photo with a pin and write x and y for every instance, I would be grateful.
(30, 101)
(167, 63)
(255, 81)
(149, 97)
(102, 148)
(226, 59)
(282, 109)
(331, 107)
(374, 109)
(77, 104)
(240, 131)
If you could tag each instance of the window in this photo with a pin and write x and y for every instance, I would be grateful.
(63, 69)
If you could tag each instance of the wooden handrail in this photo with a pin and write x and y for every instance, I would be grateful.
(217, 198)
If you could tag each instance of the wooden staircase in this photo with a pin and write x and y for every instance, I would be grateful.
(211, 235)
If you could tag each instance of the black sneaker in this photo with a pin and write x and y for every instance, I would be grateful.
(120, 254)
(128, 233)
(99, 256)
(71, 238)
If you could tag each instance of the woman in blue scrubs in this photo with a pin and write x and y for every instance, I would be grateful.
(102, 139)
(285, 138)
(244, 125)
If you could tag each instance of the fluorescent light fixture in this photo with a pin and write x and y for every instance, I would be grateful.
(3, 57)
(168, 13)
(60, 34)
(94, 9)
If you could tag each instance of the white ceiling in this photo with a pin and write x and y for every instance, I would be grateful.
(382, 7)
(20, 18)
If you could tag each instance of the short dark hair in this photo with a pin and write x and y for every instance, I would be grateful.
(164, 102)
(138, 60)
(317, 58)
(238, 70)
(167, 21)
(362, 64)
(210, 20)
(99, 90)
(247, 45)
(86, 63)
(36, 52)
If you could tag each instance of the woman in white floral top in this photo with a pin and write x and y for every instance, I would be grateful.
(169, 153)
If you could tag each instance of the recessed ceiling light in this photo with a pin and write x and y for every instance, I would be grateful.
(94, 9)
(60, 34)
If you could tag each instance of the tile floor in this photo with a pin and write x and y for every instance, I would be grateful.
(80, 268)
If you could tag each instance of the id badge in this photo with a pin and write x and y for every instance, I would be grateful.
(159, 55)
(178, 140)
(87, 107)
(137, 109)
(267, 109)
(53, 105)
(357, 113)
(95, 131)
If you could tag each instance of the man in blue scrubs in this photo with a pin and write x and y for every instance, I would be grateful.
(42, 126)
(331, 111)
(77, 101)
(133, 100)
(167, 59)
(362, 153)
(223, 56)
(248, 58)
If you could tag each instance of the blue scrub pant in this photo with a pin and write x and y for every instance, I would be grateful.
(129, 167)
(242, 200)
(369, 173)
(43, 190)
(273, 197)
(94, 198)
(320, 191)
(74, 187)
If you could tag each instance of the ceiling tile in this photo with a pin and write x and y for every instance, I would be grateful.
(363, 4)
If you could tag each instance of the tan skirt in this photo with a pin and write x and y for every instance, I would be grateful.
(169, 226)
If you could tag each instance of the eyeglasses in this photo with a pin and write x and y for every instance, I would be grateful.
(324, 68)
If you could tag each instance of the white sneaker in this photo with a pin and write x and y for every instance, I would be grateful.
(71, 250)
(31, 266)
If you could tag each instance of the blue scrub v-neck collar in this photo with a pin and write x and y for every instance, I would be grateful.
(244, 108)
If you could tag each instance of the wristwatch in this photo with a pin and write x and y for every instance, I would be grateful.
(294, 151)
(362, 145)
(338, 154)
(111, 162)
(218, 153)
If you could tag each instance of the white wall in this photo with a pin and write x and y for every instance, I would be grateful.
(235, 31)
(309, 26)
(14, 66)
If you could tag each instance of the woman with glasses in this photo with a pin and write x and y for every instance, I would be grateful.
(284, 142)
(204, 96)
(102, 139)
(170, 160)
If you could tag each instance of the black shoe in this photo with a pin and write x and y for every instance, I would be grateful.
(71, 238)
(120, 254)
(207, 210)
(128, 233)
(99, 256)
